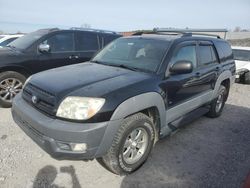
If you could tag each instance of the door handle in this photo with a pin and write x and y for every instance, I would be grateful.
(73, 57)
(197, 74)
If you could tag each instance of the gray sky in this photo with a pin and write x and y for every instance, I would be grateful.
(28, 15)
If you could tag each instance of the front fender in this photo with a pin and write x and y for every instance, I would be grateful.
(139, 103)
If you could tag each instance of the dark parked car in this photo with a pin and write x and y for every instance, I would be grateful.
(135, 91)
(46, 49)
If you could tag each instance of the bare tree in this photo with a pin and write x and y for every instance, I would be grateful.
(86, 25)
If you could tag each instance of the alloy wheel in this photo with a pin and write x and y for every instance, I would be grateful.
(9, 88)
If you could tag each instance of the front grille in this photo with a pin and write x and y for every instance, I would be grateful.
(46, 101)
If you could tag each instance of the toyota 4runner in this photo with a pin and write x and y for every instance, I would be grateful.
(135, 91)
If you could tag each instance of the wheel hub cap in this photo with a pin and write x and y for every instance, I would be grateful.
(219, 102)
(135, 145)
(9, 88)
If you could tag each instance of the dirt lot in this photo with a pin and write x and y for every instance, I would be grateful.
(206, 153)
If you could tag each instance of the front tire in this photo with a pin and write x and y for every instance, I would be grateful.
(218, 103)
(11, 83)
(131, 145)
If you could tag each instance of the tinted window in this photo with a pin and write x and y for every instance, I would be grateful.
(62, 42)
(205, 55)
(243, 55)
(6, 42)
(108, 39)
(214, 58)
(187, 53)
(143, 54)
(86, 41)
(224, 50)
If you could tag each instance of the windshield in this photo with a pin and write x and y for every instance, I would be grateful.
(242, 55)
(138, 53)
(27, 40)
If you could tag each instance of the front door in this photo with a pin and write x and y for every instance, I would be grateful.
(62, 52)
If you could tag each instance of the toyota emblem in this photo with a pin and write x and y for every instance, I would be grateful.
(34, 99)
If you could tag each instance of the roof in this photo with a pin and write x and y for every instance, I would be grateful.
(80, 29)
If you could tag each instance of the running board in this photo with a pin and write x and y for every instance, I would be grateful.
(188, 118)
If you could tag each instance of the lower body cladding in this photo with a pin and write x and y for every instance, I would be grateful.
(62, 139)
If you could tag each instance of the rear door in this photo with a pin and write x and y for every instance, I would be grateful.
(87, 44)
(208, 65)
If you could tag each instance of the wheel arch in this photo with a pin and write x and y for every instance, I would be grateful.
(19, 69)
(142, 103)
(226, 79)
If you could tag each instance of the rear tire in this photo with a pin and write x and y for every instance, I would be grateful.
(246, 77)
(131, 145)
(11, 83)
(218, 103)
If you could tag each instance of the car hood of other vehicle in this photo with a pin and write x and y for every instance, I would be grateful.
(242, 65)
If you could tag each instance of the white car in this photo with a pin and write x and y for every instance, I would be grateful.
(6, 39)
(242, 62)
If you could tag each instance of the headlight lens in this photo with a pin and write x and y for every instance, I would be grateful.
(79, 108)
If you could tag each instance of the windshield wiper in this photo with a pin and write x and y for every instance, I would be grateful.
(118, 65)
(127, 67)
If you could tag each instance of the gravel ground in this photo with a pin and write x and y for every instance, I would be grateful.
(206, 153)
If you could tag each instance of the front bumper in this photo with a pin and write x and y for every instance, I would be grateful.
(50, 133)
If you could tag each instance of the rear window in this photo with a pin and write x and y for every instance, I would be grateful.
(242, 55)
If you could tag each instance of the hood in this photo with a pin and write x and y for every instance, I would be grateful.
(85, 79)
(242, 64)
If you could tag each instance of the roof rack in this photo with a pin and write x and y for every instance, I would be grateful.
(49, 29)
(95, 30)
(191, 32)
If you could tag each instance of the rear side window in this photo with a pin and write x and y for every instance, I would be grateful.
(207, 55)
(62, 42)
(224, 50)
(186, 53)
(86, 41)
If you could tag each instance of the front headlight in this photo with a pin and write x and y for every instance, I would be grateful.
(79, 108)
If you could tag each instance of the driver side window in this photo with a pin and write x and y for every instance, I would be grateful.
(62, 42)
(186, 53)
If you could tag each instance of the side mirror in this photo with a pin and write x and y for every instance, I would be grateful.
(44, 48)
(181, 67)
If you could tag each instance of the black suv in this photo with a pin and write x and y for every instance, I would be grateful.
(45, 49)
(135, 91)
